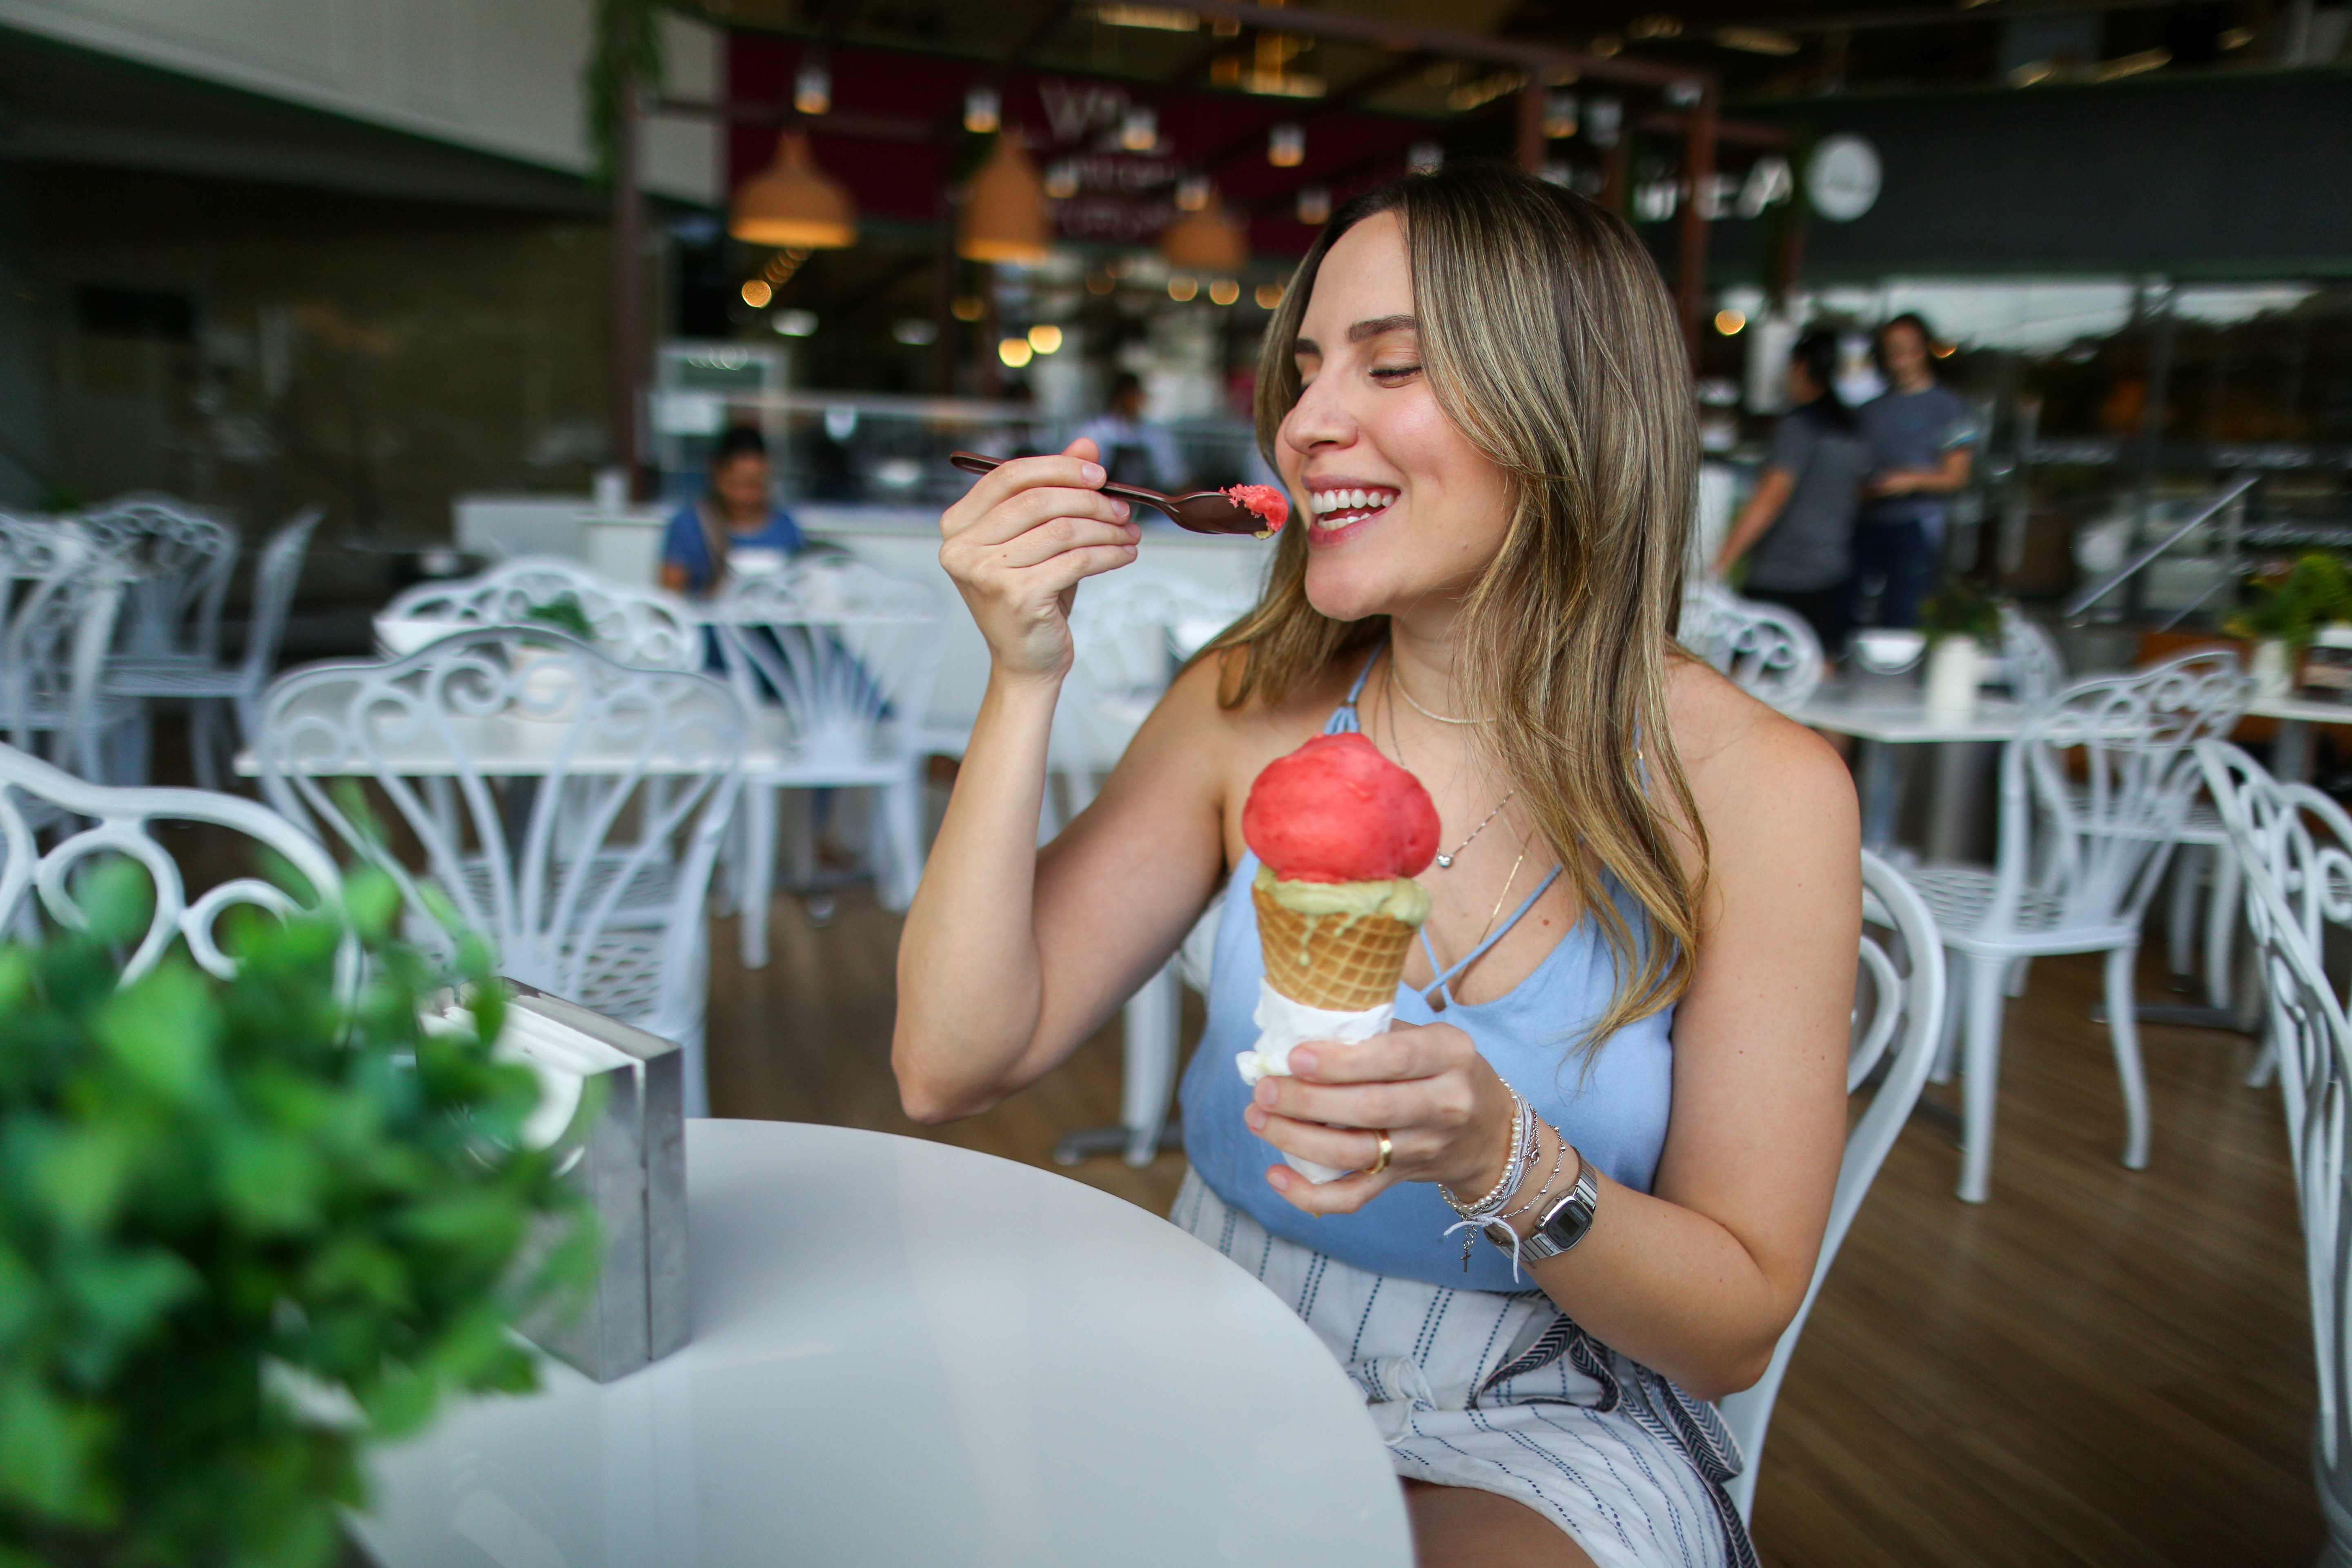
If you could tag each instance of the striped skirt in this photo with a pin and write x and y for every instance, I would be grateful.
(1505, 1393)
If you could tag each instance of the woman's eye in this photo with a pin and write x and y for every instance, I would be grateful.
(1394, 371)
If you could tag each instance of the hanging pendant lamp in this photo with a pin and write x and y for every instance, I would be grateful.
(792, 203)
(1004, 216)
(1209, 240)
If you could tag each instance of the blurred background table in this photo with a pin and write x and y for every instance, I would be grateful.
(905, 1353)
(1883, 716)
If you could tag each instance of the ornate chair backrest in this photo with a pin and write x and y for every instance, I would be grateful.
(609, 772)
(2036, 667)
(53, 649)
(179, 560)
(1131, 632)
(1899, 1012)
(2296, 845)
(634, 625)
(1770, 652)
(2103, 838)
(274, 582)
(122, 822)
(848, 652)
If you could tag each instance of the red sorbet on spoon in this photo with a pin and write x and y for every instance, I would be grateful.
(1269, 503)
(1336, 810)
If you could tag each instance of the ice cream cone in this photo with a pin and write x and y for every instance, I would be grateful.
(1338, 946)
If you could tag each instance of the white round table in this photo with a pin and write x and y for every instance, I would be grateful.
(905, 1353)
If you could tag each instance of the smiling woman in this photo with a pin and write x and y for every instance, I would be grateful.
(1619, 1049)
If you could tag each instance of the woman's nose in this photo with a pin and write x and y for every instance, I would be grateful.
(1317, 419)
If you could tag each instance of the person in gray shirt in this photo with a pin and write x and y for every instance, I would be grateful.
(1797, 530)
(1919, 434)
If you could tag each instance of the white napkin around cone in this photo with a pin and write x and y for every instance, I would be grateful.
(1284, 1024)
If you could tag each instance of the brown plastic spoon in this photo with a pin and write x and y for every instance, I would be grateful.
(1202, 511)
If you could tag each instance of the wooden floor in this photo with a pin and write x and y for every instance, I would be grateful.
(2099, 1366)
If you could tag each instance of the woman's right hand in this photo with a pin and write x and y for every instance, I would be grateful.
(1017, 545)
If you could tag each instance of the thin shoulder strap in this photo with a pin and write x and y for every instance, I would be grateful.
(1343, 719)
(1444, 984)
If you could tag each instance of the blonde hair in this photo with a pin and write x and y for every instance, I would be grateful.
(1548, 340)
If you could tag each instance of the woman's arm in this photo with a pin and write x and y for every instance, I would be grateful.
(1698, 1278)
(1762, 510)
(1948, 476)
(1010, 957)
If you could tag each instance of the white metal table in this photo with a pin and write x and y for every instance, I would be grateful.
(905, 1353)
(1884, 717)
(2290, 757)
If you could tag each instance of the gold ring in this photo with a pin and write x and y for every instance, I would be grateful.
(1387, 1149)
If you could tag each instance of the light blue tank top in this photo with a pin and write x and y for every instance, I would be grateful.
(1614, 1111)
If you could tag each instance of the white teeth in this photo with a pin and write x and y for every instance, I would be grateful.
(1355, 498)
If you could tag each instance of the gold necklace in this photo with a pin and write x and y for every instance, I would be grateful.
(1441, 718)
(1445, 862)
(1442, 986)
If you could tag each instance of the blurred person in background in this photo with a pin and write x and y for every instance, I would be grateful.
(1797, 530)
(734, 526)
(1135, 453)
(1919, 435)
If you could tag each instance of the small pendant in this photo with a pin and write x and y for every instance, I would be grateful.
(1466, 1254)
(1446, 862)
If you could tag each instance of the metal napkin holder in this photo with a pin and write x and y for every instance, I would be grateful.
(614, 1114)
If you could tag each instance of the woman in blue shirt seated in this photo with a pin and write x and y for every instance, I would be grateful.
(735, 515)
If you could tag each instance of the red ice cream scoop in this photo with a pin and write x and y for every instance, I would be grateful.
(1270, 504)
(1336, 810)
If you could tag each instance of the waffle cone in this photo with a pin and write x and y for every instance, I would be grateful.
(1344, 963)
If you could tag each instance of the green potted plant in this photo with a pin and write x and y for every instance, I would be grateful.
(2284, 609)
(1962, 621)
(248, 1227)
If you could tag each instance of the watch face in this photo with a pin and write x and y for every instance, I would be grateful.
(1566, 1224)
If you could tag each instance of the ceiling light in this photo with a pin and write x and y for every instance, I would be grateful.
(1180, 287)
(982, 111)
(1140, 131)
(1268, 296)
(1285, 145)
(813, 88)
(1756, 40)
(1210, 241)
(1559, 115)
(1005, 214)
(916, 332)
(2131, 65)
(792, 203)
(1654, 27)
(1314, 205)
(794, 324)
(1224, 291)
(1192, 192)
(968, 308)
(2234, 37)
(1158, 18)
(1100, 283)
(1283, 84)
(756, 293)
(1728, 322)
(1061, 180)
(1015, 351)
(1045, 338)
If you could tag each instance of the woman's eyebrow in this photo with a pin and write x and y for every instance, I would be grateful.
(1306, 346)
(1378, 325)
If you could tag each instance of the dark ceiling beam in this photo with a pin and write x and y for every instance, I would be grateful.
(1696, 31)
(1731, 133)
(1400, 38)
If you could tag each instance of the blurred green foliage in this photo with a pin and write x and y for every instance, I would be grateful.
(246, 1227)
(566, 613)
(1959, 607)
(2290, 605)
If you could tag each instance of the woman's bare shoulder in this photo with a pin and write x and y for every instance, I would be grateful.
(1752, 768)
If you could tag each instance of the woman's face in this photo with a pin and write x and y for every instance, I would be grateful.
(1400, 508)
(741, 483)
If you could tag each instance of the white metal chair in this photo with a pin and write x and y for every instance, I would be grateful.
(179, 562)
(2296, 845)
(2102, 847)
(66, 593)
(1770, 652)
(2034, 665)
(451, 734)
(120, 822)
(215, 691)
(1131, 631)
(634, 625)
(836, 659)
(1898, 1016)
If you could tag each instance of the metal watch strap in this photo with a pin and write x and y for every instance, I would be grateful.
(1570, 1217)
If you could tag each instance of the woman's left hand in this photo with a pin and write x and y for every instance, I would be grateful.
(1446, 1114)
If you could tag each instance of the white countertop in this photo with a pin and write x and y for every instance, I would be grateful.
(909, 1353)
